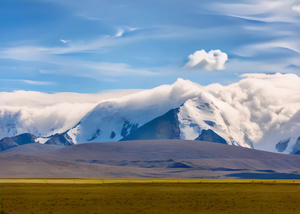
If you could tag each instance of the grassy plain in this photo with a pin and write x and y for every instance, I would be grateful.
(148, 196)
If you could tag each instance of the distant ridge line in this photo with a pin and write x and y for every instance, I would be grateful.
(146, 181)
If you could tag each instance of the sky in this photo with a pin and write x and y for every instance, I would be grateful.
(91, 46)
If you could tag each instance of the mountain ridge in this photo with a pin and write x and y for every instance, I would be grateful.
(146, 159)
(242, 114)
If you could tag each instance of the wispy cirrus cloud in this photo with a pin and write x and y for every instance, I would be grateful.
(37, 52)
(31, 82)
(101, 70)
(34, 82)
(64, 41)
(124, 29)
(276, 30)
(253, 49)
(98, 45)
(97, 70)
(265, 11)
(120, 32)
(123, 42)
(91, 18)
(58, 60)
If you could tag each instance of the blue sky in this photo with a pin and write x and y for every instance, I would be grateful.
(89, 46)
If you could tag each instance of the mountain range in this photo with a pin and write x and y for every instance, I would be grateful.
(260, 112)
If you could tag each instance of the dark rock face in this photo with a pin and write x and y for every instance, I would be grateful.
(60, 139)
(296, 149)
(210, 123)
(205, 106)
(95, 135)
(22, 139)
(112, 135)
(163, 127)
(128, 128)
(282, 145)
(210, 136)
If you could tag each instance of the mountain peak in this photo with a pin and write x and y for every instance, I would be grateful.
(260, 111)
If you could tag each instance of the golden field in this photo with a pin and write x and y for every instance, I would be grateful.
(148, 196)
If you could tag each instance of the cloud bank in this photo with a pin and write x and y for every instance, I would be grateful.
(266, 107)
(46, 114)
(211, 61)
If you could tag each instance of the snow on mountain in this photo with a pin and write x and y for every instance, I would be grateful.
(113, 120)
(44, 114)
(204, 113)
(260, 111)
(266, 108)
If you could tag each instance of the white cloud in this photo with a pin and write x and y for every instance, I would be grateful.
(40, 99)
(296, 8)
(44, 113)
(265, 106)
(122, 30)
(64, 41)
(213, 60)
(120, 33)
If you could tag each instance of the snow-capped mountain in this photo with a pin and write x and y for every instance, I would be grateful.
(44, 114)
(260, 111)
(113, 120)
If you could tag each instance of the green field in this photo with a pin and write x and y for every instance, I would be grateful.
(148, 196)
